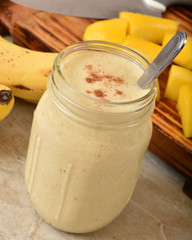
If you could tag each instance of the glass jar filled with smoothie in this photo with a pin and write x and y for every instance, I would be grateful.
(89, 135)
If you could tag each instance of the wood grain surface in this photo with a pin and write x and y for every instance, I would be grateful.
(51, 32)
(10, 13)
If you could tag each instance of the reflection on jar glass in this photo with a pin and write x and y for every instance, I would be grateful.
(90, 132)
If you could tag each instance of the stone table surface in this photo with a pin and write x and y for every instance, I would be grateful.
(158, 209)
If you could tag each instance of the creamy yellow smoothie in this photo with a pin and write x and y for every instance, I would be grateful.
(83, 163)
(104, 76)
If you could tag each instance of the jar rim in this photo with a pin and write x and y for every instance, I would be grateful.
(102, 45)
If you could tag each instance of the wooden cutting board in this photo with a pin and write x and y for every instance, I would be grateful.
(51, 32)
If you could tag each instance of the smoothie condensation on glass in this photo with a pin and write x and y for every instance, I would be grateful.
(88, 139)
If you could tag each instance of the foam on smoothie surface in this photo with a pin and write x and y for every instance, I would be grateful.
(104, 76)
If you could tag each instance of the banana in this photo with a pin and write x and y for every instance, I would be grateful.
(6, 101)
(24, 71)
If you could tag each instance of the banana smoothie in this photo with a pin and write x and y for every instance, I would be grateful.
(90, 132)
(95, 74)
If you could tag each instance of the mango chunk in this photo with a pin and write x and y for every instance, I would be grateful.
(148, 27)
(178, 76)
(111, 30)
(148, 47)
(184, 106)
(127, 17)
(184, 58)
(146, 55)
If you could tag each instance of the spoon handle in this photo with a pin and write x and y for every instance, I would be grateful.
(163, 59)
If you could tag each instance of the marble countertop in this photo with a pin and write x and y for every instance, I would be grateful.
(158, 209)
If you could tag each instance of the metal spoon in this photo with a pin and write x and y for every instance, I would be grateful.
(163, 59)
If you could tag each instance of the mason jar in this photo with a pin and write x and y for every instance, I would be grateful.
(85, 153)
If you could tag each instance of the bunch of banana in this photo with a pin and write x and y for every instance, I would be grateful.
(24, 71)
(6, 101)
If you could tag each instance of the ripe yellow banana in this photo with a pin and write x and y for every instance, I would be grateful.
(24, 71)
(6, 101)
